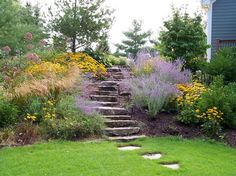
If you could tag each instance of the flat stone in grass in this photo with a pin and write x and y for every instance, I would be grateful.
(154, 156)
(172, 166)
(128, 148)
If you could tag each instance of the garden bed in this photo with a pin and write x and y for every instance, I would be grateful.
(166, 124)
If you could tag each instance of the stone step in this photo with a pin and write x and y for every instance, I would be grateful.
(111, 93)
(108, 88)
(109, 83)
(126, 138)
(104, 98)
(118, 117)
(112, 111)
(118, 77)
(109, 104)
(113, 69)
(121, 123)
(122, 131)
(117, 74)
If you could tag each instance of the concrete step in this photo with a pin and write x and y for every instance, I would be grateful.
(109, 104)
(108, 88)
(126, 138)
(121, 131)
(117, 117)
(110, 93)
(112, 111)
(104, 98)
(121, 123)
(109, 83)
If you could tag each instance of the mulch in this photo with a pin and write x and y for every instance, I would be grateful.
(166, 124)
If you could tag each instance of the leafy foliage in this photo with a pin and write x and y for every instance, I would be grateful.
(16, 21)
(223, 97)
(183, 37)
(8, 112)
(223, 63)
(74, 124)
(154, 86)
(136, 40)
(84, 22)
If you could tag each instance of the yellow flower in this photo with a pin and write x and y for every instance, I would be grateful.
(197, 111)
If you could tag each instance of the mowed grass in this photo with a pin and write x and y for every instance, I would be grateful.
(60, 158)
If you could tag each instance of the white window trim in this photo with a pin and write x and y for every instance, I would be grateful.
(209, 29)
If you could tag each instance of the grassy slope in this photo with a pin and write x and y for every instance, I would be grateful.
(196, 157)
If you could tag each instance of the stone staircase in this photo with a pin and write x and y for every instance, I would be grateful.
(119, 124)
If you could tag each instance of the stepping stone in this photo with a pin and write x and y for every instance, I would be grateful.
(172, 166)
(122, 131)
(112, 111)
(118, 117)
(126, 138)
(129, 148)
(104, 98)
(152, 156)
(120, 123)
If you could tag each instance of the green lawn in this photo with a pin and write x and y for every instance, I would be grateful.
(57, 158)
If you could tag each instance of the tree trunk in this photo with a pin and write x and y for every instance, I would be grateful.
(74, 36)
(73, 47)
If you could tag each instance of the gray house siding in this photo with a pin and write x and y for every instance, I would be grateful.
(223, 22)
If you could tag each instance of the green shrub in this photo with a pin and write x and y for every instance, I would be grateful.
(98, 56)
(188, 116)
(8, 112)
(223, 63)
(113, 60)
(212, 128)
(73, 123)
(123, 62)
(223, 98)
(183, 37)
(197, 63)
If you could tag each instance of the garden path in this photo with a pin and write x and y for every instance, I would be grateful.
(119, 124)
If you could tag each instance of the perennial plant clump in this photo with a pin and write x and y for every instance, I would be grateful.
(44, 67)
(154, 85)
(85, 62)
(167, 71)
(187, 101)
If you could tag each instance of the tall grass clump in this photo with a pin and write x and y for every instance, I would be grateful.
(154, 84)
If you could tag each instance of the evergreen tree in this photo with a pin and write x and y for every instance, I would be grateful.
(84, 22)
(16, 20)
(136, 40)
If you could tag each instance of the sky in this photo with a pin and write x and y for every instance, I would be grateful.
(151, 12)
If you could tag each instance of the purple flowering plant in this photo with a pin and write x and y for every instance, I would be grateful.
(154, 83)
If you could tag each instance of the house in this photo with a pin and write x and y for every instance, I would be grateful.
(221, 24)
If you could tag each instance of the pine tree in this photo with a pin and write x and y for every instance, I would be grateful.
(84, 22)
(136, 40)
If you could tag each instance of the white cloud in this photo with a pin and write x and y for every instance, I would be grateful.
(151, 12)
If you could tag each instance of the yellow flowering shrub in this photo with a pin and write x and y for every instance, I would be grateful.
(31, 117)
(49, 110)
(85, 62)
(187, 100)
(190, 93)
(45, 67)
(211, 114)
